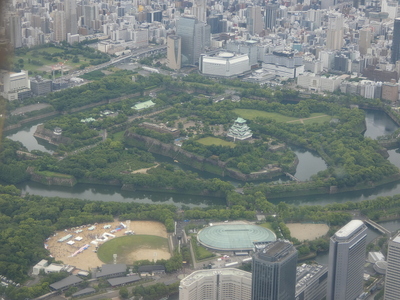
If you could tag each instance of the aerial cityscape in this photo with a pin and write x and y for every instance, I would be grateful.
(200, 150)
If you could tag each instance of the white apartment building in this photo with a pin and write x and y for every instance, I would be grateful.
(13, 83)
(213, 284)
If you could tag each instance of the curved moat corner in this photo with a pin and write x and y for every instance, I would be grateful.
(377, 123)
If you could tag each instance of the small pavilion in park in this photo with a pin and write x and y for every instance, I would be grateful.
(239, 130)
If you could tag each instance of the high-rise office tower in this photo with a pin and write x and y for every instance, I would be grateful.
(174, 52)
(15, 32)
(392, 279)
(90, 14)
(346, 261)
(274, 272)
(70, 16)
(199, 9)
(364, 40)
(396, 41)
(334, 32)
(195, 37)
(59, 26)
(254, 20)
(271, 11)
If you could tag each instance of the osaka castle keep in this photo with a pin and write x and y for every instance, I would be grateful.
(240, 130)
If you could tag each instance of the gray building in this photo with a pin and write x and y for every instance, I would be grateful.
(249, 47)
(311, 282)
(271, 12)
(119, 281)
(274, 271)
(14, 31)
(392, 279)
(346, 261)
(65, 283)
(195, 37)
(41, 86)
(396, 41)
(111, 270)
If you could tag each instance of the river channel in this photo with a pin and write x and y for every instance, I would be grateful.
(378, 123)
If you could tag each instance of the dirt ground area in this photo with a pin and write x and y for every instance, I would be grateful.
(87, 259)
(309, 232)
(144, 170)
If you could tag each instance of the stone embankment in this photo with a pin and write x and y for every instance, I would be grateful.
(51, 180)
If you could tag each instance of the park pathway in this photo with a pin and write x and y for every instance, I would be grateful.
(302, 120)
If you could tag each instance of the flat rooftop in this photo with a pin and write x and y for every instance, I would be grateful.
(188, 280)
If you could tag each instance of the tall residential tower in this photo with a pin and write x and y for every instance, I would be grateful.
(346, 261)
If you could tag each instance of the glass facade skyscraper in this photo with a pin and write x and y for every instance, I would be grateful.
(396, 41)
(195, 37)
(271, 11)
(346, 261)
(274, 272)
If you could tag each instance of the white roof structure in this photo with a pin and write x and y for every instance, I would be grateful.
(346, 231)
(373, 257)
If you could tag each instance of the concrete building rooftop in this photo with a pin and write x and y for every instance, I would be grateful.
(346, 231)
(188, 280)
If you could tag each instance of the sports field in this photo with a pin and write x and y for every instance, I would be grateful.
(304, 232)
(251, 114)
(62, 251)
(215, 141)
(134, 247)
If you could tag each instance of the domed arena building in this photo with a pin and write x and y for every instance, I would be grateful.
(234, 237)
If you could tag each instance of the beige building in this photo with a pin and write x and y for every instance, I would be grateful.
(232, 284)
(317, 83)
(334, 32)
(59, 26)
(390, 91)
(365, 40)
(174, 54)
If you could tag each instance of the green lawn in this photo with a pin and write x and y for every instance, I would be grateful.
(200, 252)
(251, 114)
(46, 67)
(128, 162)
(320, 120)
(267, 225)
(215, 141)
(118, 136)
(125, 245)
